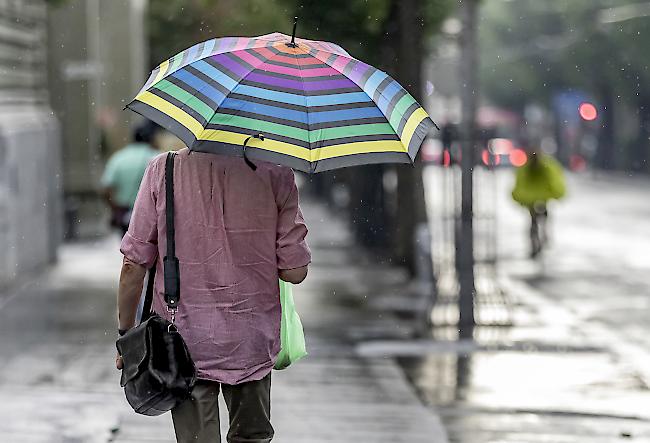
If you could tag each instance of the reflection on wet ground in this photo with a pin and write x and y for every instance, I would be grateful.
(562, 351)
(531, 397)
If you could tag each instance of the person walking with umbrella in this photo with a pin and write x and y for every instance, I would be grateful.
(249, 109)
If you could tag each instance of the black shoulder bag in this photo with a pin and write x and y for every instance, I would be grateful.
(158, 371)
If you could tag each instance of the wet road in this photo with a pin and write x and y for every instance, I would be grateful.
(575, 367)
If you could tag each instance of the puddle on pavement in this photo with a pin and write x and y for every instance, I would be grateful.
(530, 397)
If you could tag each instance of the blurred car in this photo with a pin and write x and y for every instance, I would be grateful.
(499, 152)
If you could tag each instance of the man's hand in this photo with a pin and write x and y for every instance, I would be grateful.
(128, 296)
(128, 293)
(294, 276)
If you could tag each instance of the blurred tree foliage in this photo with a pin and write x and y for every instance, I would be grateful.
(533, 50)
(175, 25)
(56, 2)
(364, 27)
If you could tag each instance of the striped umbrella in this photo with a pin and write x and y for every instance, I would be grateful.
(301, 103)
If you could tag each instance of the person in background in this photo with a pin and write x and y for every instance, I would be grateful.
(541, 179)
(124, 172)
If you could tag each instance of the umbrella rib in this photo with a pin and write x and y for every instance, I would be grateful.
(216, 109)
(211, 53)
(302, 82)
(186, 105)
(368, 95)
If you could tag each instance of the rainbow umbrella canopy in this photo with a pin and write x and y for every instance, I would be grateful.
(301, 103)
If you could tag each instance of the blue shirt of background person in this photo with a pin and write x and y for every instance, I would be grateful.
(124, 172)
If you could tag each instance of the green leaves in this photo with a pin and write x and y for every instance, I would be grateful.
(531, 49)
(357, 25)
(174, 25)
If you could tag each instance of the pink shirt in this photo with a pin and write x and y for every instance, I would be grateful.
(235, 228)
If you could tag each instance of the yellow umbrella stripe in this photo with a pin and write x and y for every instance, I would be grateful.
(357, 148)
(310, 155)
(235, 138)
(414, 120)
(171, 110)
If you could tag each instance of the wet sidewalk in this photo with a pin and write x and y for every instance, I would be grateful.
(58, 382)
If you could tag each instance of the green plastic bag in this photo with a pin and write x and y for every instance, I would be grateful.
(292, 336)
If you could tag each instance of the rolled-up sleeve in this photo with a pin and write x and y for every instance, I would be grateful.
(291, 247)
(140, 243)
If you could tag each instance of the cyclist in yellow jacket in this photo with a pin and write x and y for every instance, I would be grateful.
(541, 179)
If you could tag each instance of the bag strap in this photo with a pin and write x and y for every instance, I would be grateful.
(169, 204)
(170, 262)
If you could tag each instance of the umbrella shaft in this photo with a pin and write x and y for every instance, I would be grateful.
(293, 34)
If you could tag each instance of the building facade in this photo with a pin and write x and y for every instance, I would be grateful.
(30, 173)
(98, 58)
(67, 68)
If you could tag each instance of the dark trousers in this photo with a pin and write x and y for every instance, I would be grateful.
(538, 233)
(196, 420)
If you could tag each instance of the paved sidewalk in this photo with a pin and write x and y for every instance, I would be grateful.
(58, 383)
